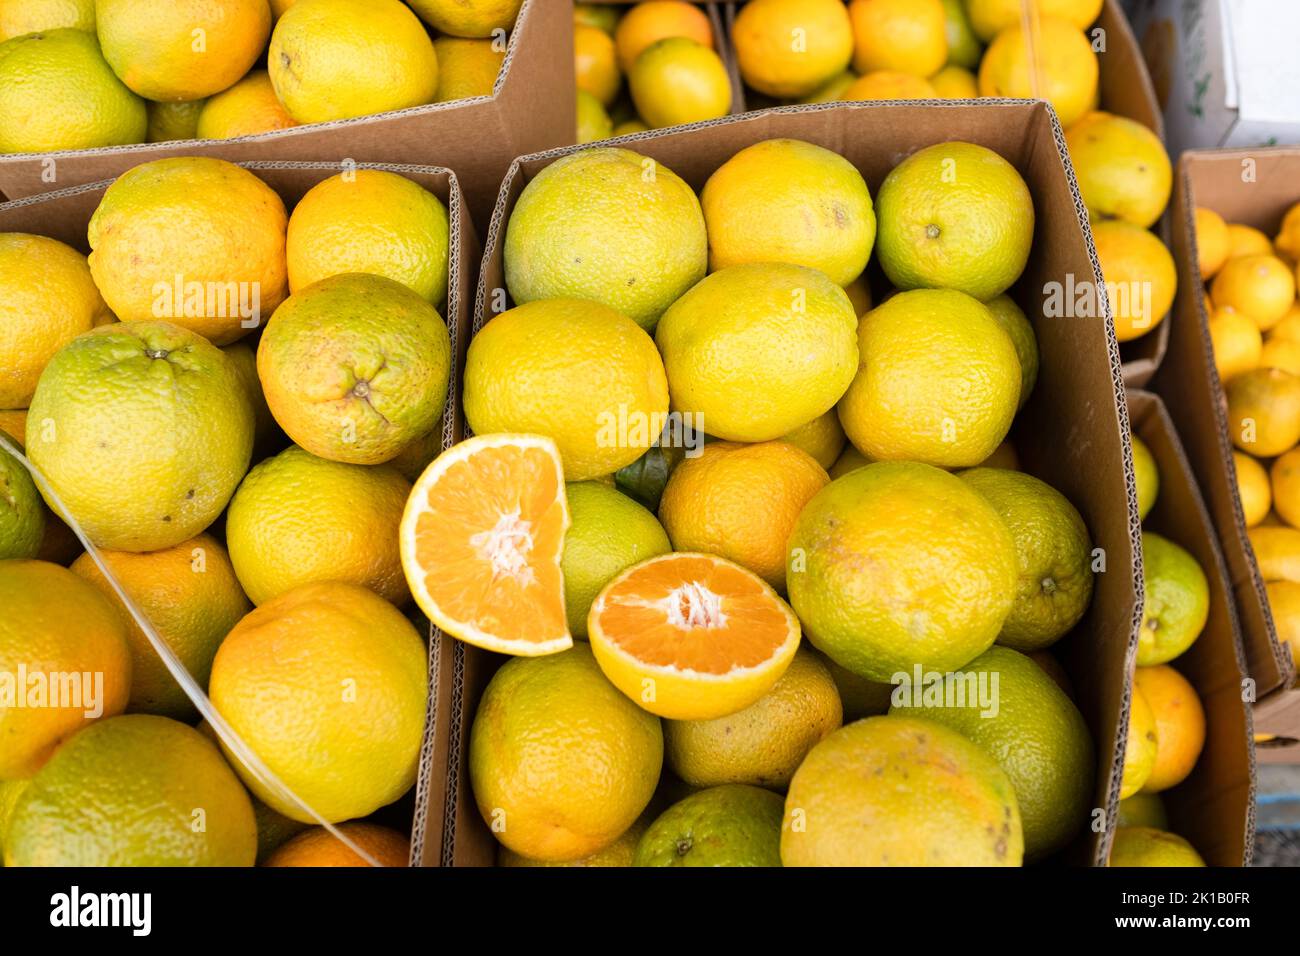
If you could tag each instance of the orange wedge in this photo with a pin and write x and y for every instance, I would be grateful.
(481, 540)
(692, 636)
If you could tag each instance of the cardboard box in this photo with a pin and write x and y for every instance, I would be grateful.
(1255, 187)
(1073, 434)
(1214, 808)
(64, 214)
(1125, 89)
(531, 108)
(1225, 71)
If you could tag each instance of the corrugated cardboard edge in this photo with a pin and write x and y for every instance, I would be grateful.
(462, 253)
(21, 172)
(1110, 786)
(1204, 795)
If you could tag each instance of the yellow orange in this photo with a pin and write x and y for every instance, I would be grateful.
(1237, 342)
(791, 48)
(906, 36)
(1139, 273)
(1253, 488)
(1258, 286)
(740, 502)
(466, 67)
(1066, 73)
(955, 83)
(1246, 240)
(889, 85)
(1211, 241)
(247, 108)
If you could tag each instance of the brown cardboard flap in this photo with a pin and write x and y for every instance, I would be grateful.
(532, 107)
(1255, 187)
(64, 215)
(1073, 433)
(1214, 808)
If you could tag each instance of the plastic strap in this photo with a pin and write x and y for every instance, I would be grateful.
(245, 755)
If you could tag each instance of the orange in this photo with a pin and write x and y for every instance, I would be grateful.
(955, 83)
(1288, 327)
(1122, 168)
(575, 371)
(823, 438)
(692, 636)
(135, 790)
(170, 121)
(907, 36)
(246, 109)
(1264, 411)
(561, 764)
(55, 626)
(181, 49)
(47, 298)
(1139, 273)
(654, 20)
(467, 67)
(900, 791)
(374, 221)
(1246, 240)
(1180, 725)
(990, 17)
(740, 502)
(319, 847)
(1147, 846)
(191, 597)
(1253, 488)
(1284, 605)
(1211, 241)
(1140, 746)
(481, 542)
(1281, 353)
(194, 240)
(678, 81)
(1258, 286)
(56, 92)
(791, 48)
(1066, 74)
(1238, 345)
(297, 518)
(594, 123)
(596, 63)
(143, 430)
(326, 684)
(784, 200)
(889, 85)
(20, 17)
(355, 367)
(339, 59)
(468, 18)
(1287, 241)
(1284, 476)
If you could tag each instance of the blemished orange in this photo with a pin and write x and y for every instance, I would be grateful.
(1259, 286)
(1180, 725)
(692, 636)
(55, 623)
(656, 20)
(770, 60)
(481, 542)
(908, 36)
(889, 85)
(1211, 241)
(740, 502)
(247, 108)
(596, 63)
(319, 847)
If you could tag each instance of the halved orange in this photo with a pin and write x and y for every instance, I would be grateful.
(481, 541)
(692, 636)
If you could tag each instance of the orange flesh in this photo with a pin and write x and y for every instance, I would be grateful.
(694, 613)
(489, 542)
